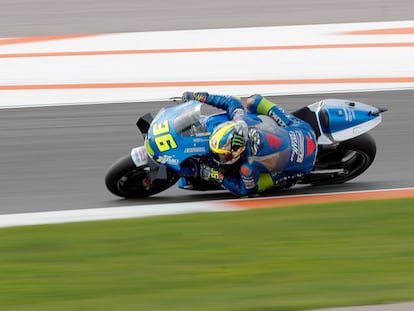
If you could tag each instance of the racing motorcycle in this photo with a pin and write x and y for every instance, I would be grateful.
(176, 141)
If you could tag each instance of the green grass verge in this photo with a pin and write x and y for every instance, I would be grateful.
(292, 258)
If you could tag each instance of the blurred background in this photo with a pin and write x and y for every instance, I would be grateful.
(48, 17)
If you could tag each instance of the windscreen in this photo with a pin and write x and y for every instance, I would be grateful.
(190, 123)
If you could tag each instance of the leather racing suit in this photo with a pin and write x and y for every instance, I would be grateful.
(276, 151)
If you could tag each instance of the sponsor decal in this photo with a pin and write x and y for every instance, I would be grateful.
(215, 174)
(255, 141)
(248, 182)
(349, 114)
(274, 141)
(139, 156)
(245, 170)
(195, 150)
(298, 147)
(238, 140)
(278, 120)
(247, 177)
(142, 154)
(167, 159)
(200, 140)
(310, 146)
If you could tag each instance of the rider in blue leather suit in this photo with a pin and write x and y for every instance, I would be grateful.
(267, 153)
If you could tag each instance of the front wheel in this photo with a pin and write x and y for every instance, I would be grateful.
(126, 180)
(348, 160)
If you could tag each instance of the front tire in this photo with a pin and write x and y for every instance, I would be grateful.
(125, 180)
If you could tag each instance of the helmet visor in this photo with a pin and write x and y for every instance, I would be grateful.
(223, 158)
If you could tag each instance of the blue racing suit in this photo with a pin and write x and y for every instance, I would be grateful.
(276, 151)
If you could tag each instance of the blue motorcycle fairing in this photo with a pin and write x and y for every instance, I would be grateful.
(177, 133)
(341, 120)
(181, 132)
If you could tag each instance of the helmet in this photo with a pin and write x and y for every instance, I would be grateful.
(228, 142)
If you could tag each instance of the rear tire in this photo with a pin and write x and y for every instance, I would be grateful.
(354, 156)
(126, 180)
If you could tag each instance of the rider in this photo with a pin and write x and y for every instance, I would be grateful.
(266, 154)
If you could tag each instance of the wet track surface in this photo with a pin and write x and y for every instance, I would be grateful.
(56, 158)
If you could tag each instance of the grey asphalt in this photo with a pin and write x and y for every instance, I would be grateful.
(55, 158)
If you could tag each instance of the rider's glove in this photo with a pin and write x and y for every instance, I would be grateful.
(207, 172)
(201, 96)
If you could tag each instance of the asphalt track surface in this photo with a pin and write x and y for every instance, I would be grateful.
(55, 158)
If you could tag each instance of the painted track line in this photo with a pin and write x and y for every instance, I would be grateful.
(36, 39)
(212, 49)
(124, 212)
(204, 83)
(323, 198)
(148, 66)
(140, 211)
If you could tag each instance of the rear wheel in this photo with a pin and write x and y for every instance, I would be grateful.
(350, 159)
(126, 180)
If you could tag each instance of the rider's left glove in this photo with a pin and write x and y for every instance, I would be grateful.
(200, 96)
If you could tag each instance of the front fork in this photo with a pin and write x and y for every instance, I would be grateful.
(141, 159)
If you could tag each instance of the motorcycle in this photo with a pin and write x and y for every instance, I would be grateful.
(176, 141)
